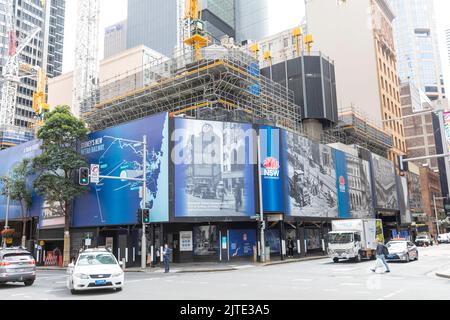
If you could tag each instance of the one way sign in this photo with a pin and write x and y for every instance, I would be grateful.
(95, 173)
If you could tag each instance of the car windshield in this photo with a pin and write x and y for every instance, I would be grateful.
(96, 259)
(396, 246)
(340, 237)
(422, 237)
(17, 257)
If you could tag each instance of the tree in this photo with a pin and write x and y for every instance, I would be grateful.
(15, 186)
(59, 163)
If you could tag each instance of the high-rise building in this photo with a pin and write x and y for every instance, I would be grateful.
(115, 39)
(416, 41)
(252, 20)
(220, 18)
(447, 37)
(363, 50)
(46, 51)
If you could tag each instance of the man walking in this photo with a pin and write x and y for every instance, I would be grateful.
(166, 256)
(381, 253)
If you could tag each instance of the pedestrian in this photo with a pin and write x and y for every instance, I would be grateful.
(221, 193)
(381, 254)
(290, 248)
(238, 196)
(166, 256)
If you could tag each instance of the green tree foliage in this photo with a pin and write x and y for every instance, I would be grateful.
(59, 163)
(15, 186)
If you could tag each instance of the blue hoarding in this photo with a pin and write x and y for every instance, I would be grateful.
(242, 242)
(115, 202)
(342, 184)
(272, 182)
(9, 158)
(213, 164)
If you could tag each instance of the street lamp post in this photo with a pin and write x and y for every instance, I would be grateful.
(435, 211)
(261, 204)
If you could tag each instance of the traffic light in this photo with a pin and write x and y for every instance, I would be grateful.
(84, 176)
(146, 216)
(139, 216)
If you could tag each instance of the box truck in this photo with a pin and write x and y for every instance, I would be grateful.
(354, 239)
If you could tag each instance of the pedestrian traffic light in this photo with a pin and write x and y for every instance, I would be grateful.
(84, 176)
(146, 216)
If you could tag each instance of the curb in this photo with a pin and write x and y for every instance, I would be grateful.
(443, 275)
(293, 261)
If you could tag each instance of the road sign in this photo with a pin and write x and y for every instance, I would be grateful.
(95, 173)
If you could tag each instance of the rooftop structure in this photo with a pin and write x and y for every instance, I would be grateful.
(225, 84)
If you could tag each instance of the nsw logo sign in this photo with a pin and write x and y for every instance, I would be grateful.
(271, 168)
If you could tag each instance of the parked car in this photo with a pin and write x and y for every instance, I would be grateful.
(204, 191)
(424, 240)
(95, 269)
(402, 250)
(443, 238)
(17, 265)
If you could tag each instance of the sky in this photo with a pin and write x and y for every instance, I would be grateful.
(113, 11)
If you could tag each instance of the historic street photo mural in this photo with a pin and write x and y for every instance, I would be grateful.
(385, 184)
(312, 178)
(206, 240)
(213, 169)
(360, 188)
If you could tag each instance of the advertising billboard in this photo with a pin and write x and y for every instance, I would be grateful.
(415, 193)
(403, 199)
(360, 188)
(9, 159)
(342, 184)
(242, 242)
(310, 180)
(385, 190)
(213, 168)
(115, 202)
(446, 116)
(271, 177)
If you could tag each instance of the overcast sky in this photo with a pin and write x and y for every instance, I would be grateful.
(113, 11)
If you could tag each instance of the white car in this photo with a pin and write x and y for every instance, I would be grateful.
(95, 269)
(443, 238)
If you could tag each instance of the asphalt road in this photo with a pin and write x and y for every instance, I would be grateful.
(318, 279)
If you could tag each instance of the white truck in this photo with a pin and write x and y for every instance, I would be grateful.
(354, 239)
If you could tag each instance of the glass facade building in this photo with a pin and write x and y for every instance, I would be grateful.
(417, 47)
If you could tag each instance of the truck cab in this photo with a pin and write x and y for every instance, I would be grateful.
(344, 245)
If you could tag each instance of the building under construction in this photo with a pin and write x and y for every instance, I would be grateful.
(225, 84)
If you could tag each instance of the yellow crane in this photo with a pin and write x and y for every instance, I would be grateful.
(197, 35)
(39, 102)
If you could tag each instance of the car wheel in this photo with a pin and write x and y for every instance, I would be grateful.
(73, 291)
(335, 260)
(358, 258)
(407, 258)
(118, 289)
(417, 256)
(28, 283)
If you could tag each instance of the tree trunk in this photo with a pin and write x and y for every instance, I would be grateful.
(66, 252)
(24, 225)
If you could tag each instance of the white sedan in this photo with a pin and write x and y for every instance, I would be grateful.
(95, 269)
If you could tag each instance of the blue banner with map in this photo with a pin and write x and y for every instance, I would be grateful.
(115, 202)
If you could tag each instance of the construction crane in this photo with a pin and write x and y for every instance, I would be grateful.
(86, 57)
(11, 70)
(194, 34)
(39, 97)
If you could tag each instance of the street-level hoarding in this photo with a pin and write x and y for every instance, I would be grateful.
(213, 169)
(115, 202)
(310, 177)
(242, 243)
(385, 186)
(9, 158)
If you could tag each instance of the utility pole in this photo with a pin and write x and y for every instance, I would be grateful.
(261, 206)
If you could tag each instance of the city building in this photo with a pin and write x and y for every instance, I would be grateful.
(252, 20)
(365, 60)
(115, 39)
(447, 37)
(126, 68)
(45, 51)
(219, 17)
(416, 42)
(430, 184)
(419, 130)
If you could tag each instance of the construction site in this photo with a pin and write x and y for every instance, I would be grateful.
(224, 85)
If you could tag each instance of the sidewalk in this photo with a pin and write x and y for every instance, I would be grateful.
(445, 273)
(206, 266)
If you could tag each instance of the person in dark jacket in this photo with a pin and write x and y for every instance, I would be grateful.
(381, 253)
(290, 245)
(166, 257)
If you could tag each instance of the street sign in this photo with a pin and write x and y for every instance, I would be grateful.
(95, 173)
(42, 242)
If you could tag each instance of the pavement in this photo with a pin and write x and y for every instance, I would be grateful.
(319, 279)
(204, 266)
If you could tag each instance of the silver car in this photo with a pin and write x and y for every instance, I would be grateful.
(17, 265)
(402, 250)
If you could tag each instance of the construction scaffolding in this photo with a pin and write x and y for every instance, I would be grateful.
(355, 129)
(225, 85)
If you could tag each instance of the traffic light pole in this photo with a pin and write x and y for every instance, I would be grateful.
(261, 206)
(144, 203)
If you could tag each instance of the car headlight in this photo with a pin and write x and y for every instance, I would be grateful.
(81, 276)
(117, 274)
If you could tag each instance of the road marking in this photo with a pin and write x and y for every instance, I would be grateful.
(17, 294)
(303, 280)
(244, 267)
(350, 284)
(390, 295)
(55, 290)
(60, 282)
(330, 290)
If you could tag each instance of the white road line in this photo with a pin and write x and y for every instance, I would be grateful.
(390, 295)
(55, 290)
(350, 284)
(17, 294)
(60, 282)
(330, 290)
(303, 280)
